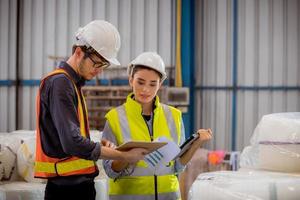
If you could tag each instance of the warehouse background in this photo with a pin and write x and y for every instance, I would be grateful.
(240, 58)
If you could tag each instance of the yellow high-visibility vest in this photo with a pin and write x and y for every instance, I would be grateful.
(127, 123)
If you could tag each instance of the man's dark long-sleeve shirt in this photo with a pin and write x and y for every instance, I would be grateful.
(59, 124)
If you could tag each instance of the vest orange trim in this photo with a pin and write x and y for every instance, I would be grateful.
(46, 166)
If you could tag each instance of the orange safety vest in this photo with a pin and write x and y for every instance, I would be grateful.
(46, 166)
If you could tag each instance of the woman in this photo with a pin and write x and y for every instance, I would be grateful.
(142, 117)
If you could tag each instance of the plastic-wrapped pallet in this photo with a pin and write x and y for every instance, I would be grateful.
(21, 135)
(2, 194)
(8, 146)
(20, 190)
(96, 137)
(275, 144)
(24, 147)
(7, 159)
(101, 186)
(26, 159)
(240, 185)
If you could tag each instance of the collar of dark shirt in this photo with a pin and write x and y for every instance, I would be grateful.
(79, 81)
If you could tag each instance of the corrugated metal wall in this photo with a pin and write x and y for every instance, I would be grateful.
(8, 33)
(47, 30)
(248, 65)
(246, 54)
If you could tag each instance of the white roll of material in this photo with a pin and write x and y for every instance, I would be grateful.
(20, 190)
(8, 146)
(243, 184)
(278, 127)
(275, 144)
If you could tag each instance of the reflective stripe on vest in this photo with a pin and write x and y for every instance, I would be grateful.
(167, 196)
(166, 185)
(46, 166)
(128, 124)
(171, 123)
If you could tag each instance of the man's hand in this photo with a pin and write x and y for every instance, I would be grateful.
(107, 143)
(134, 155)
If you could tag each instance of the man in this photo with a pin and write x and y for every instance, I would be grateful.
(65, 155)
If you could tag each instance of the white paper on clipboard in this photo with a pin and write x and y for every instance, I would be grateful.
(159, 159)
(168, 151)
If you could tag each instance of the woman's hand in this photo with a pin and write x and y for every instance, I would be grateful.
(204, 136)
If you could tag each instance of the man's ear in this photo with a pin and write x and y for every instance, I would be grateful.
(79, 53)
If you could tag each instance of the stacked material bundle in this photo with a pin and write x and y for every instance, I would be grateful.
(23, 190)
(275, 144)
(17, 156)
(270, 166)
(9, 145)
(240, 185)
(13, 185)
(26, 159)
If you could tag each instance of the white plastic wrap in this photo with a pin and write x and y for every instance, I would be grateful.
(8, 146)
(17, 155)
(249, 157)
(26, 159)
(275, 144)
(21, 144)
(96, 137)
(278, 127)
(241, 185)
(2, 194)
(101, 186)
(23, 191)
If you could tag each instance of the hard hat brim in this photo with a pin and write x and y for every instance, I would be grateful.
(113, 61)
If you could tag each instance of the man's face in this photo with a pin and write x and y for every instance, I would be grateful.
(91, 65)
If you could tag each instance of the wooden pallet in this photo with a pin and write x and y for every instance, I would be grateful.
(100, 99)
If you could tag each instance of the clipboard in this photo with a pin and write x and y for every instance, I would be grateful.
(187, 144)
(150, 146)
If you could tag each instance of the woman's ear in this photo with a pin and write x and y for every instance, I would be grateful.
(160, 84)
(130, 81)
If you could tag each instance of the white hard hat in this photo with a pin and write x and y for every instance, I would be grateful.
(151, 60)
(101, 36)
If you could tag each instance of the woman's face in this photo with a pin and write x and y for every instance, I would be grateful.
(145, 84)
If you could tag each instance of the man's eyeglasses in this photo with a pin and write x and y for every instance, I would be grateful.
(102, 64)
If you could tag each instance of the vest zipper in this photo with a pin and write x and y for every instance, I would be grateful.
(151, 137)
(155, 187)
